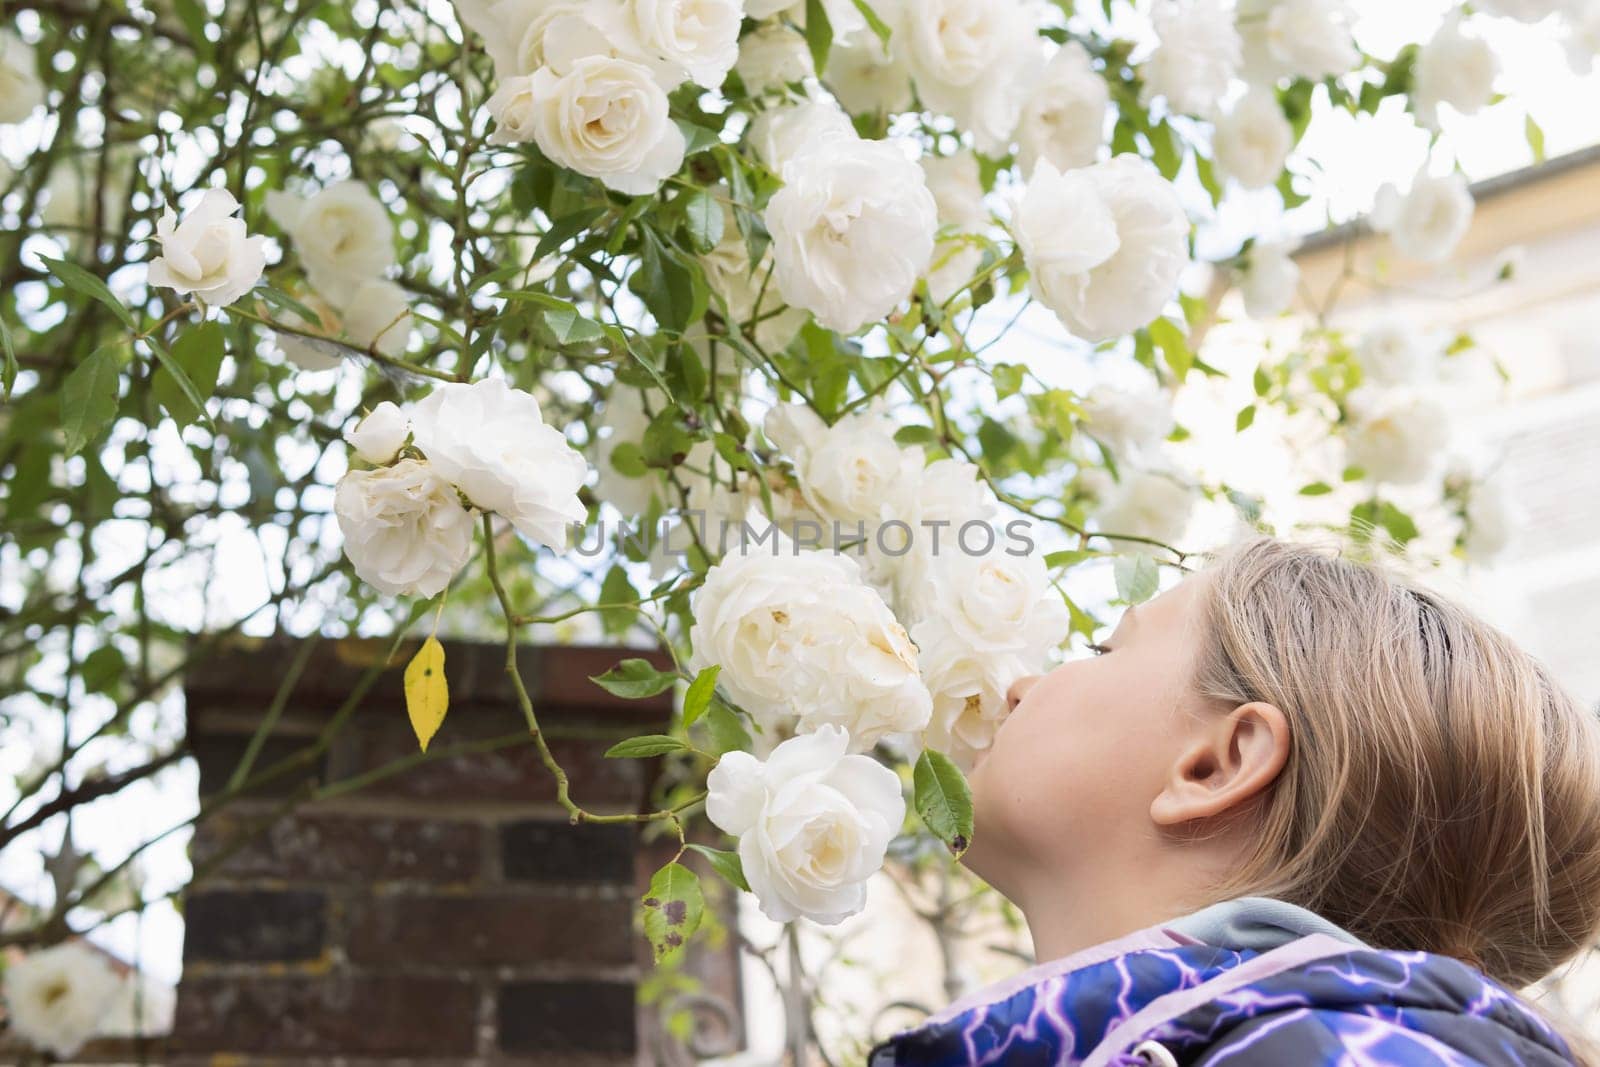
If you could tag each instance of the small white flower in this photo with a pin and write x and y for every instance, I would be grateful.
(377, 314)
(404, 528)
(995, 603)
(1492, 518)
(379, 436)
(1197, 57)
(1429, 221)
(780, 134)
(514, 31)
(20, 88)
(1128, 422)
(624, 421)
(852, 231)
(699, 38)
(969, 695)
(1269, 279)
(846, 471)
(1063, 118)
(1453, 68)
(1395, 435)
(1252, 141)
(973, 62)
(813, 823)
(1394, 353)
(343, 235)
(937, 504)
(1296, 38)
(491, 441)
(209, 253)
(56, 997)
(1583, 35)
(1104, 244)
(747, 292)
(843, 15)
(1151, 504)
(514, 108)
(772, 56)
(606, 118)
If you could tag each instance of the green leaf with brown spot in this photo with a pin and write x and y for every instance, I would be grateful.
(673, 906)
(943, 799)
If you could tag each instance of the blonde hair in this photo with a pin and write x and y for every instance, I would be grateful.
(1442, 792)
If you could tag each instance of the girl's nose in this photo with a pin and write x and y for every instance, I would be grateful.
(1018, 690)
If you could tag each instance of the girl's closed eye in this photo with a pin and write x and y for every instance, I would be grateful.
(1099, 650)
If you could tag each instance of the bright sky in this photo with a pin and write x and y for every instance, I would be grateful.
(1358, 156)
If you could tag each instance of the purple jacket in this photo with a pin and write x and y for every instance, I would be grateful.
(1163, 996)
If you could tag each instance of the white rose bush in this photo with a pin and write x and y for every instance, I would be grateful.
(749, 331)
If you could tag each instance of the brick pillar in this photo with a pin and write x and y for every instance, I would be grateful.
(448, 914)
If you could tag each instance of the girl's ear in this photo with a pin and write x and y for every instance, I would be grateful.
(1229, 760)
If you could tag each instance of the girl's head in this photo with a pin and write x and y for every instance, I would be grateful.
(1293, 724)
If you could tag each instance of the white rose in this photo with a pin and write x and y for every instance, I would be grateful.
(802, 641)
(343, 235)
(1269, 279)
(405, 530)
(867, 76)
(772, 56)
(1149, 504)
(607, 118)
(1429, 221)
(852, 231)
(779, 134)
(1252, 141)
(513, 31)
(56, 997)
(969, 695)
(1128, 422)
(1063, 118)
(995, 603)
(813, 823)
(846, 471)
(209, 254)
(699, 38)
(20, 88)
(1453, 69)
(1296, 38)
(935, 504)
(1197, 57)
(379, 436)
(1582, 20)
(973, 62)
(377, 315)
(1104, 244)
(513, 108)
(1393, 353)
(491, 442)
(1395, 435)
(843, 15)
(1529, 11)
(958, 197)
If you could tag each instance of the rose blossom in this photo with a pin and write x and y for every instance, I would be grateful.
(1252, 141)
(1063, 118)
(1269, 279)
(1453, 68)
(1198, 55)
(405, 530)
(379, 436)
(1429, 221)
(209, 253)
(57, 997)
(1395, 434)
(20, 88)
(343, 236)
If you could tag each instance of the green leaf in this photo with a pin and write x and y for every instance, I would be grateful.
(668, 287)
(666, 442)
(564, 229)
(698, 697)
(75, 277)
(1174, 346)
(8, 372)
(1007, 379)
(943, 799)
(628, 461)
(727, 732)
(705, 218)
(634, 679)
(1316, 489)
(645, 745)
(89, 396)
(915, 434)
(198, 356)
(571, 327)
(1137, 577)
(1165, 149)
(102, 668)
(874, 20)
(1535, 135)
(819, 34)
(673, 907)
(1262, 381)
(727, 864)
(1246, 416)
(617, 589)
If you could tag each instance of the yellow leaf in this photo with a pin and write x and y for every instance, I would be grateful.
(427, 696)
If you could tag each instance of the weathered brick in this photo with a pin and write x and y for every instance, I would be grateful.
(331, 848)
(552, 850)
(477, 931)
(566, 1016)
(236, 926)
(343, 1014)
(218, 754)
